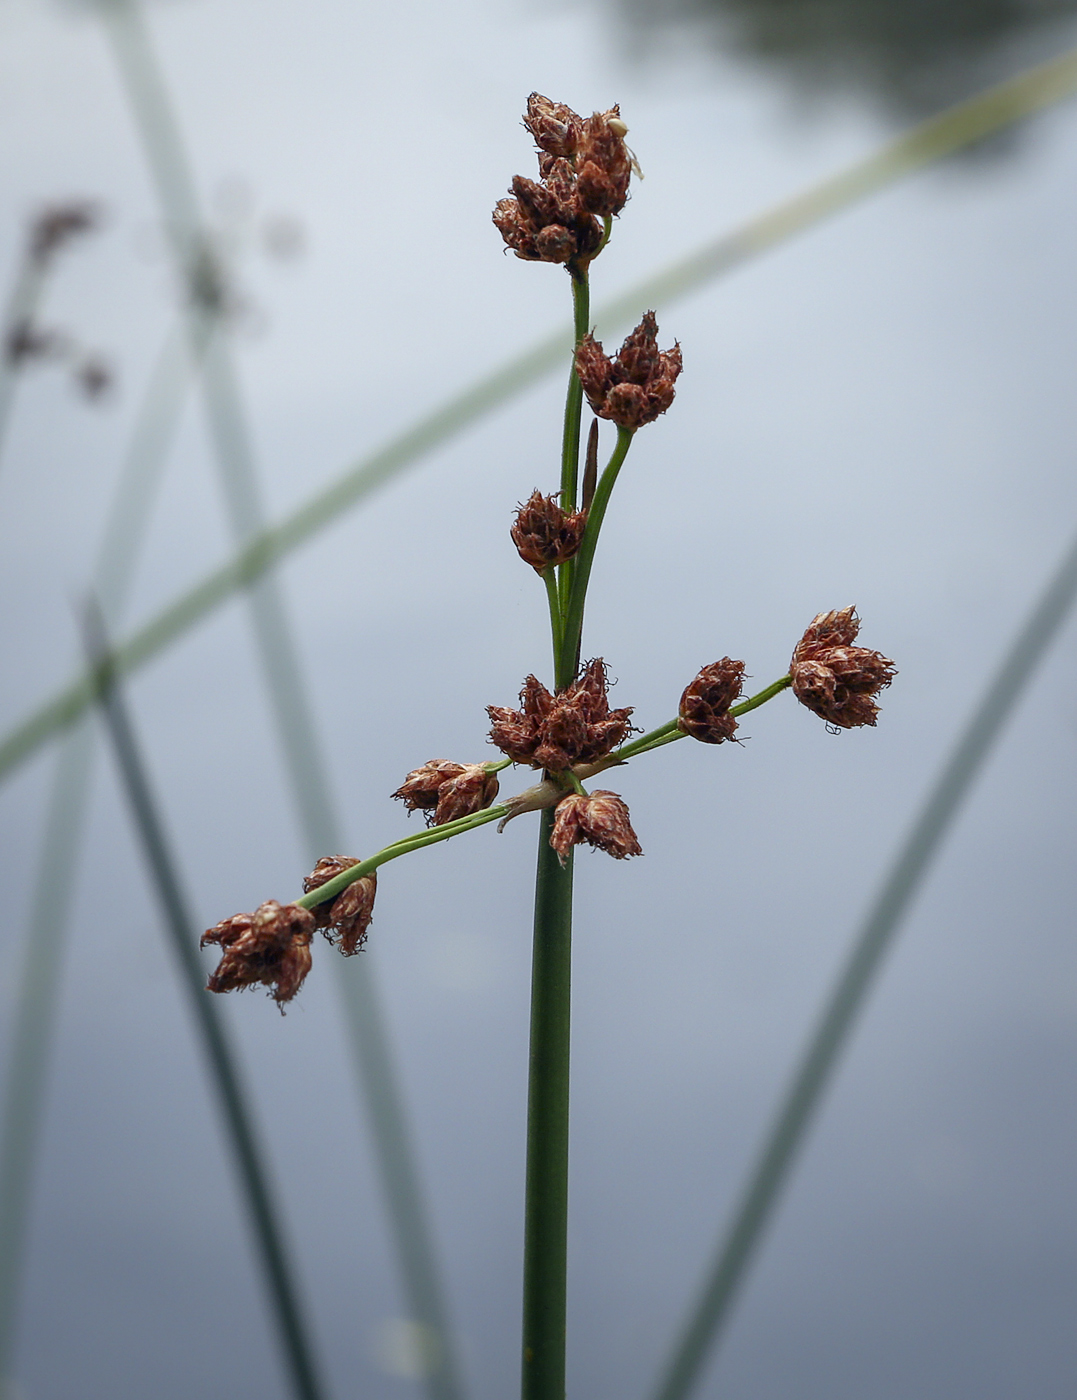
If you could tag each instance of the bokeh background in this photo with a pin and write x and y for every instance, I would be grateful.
(879, 412)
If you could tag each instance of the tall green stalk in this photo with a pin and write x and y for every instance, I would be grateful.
(546, 1200)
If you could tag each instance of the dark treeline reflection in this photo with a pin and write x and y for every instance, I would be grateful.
(914, 56)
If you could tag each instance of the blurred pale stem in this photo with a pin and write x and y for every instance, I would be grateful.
(202, 279)
(958, 127)
(36, 998)
(822, 1053)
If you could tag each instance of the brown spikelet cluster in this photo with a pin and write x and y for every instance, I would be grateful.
(638, 384)
(704, 708)
(270, 947)
(443, 790)
(599, 818)
(556, 731)
(544, 534)
(834, 678)
(345, 919)
(584, 170)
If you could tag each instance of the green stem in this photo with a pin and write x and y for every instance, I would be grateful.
(403, 847)
(546, 1204)
(570, 442)
(570, 647)
(666, 733)
(549, 578)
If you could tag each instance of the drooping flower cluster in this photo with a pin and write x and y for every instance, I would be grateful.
(544, 534)
(637, 384)
(835, 679)
(556, 731)
(584, 168)
(445, 791)
(600, 818)
(345, 919)
(704, 708)
(270, 947)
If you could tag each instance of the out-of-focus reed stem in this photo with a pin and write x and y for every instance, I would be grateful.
(546, 1204)
(891, 903)
(283, 676)
(36, 999)
(932, 140)
(238, 1121)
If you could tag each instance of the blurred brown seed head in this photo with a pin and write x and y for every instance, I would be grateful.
(600, 818)
(835, 679)
(704, 708)
(544, 534)
(556, 731)
(638, 384)
(59, 224)
(270, 947)
(26, 341)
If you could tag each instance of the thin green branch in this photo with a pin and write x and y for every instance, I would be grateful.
(668, 732)
(570, 444)
(430, 837)
(952, 130)
(549, 578)
(892, 902)
(570, 440)
(573, 633)
(277, 1266)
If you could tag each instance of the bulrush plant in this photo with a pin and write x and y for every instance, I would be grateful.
(567, 733)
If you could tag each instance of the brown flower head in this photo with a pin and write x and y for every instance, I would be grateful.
(601, 819)
(584, 168)
(270, 946)
(834, 678)
(704, 709)
(556, 731)
(445, 790)
(544, 534)
(637, 385)
(555, 127)
(344, 919)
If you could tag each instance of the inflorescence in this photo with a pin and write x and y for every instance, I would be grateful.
(569, 734)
